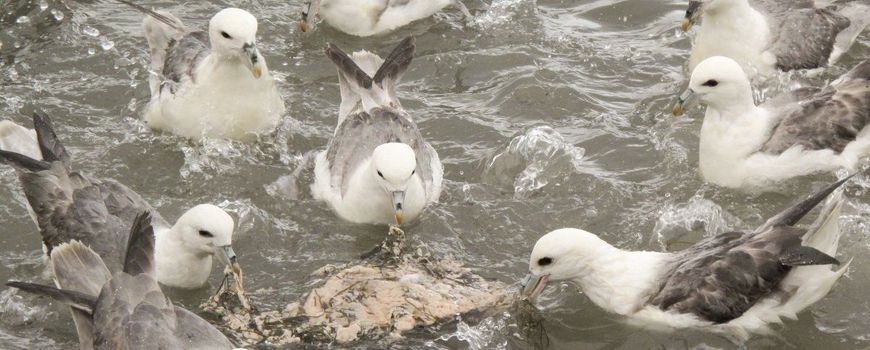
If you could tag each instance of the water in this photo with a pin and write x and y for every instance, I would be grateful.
(545, 115)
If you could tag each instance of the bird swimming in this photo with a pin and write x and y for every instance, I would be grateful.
(209, 84)
(764, 36)
(123, 309)
(377, 168)
(804, 131)
(734, 283)
(371, 17)
(69, 206)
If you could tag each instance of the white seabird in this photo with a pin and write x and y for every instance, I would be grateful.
(209, 84)
(123, 309)
(372, 17)
(734, 284)
(377, 168)
(72, 206)
(769, 35)
(805, 131)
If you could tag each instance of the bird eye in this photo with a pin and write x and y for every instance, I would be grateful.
(710, 83)
(413, 172)
(380, 174)
(205, 233)
(225, 35)
(545, 261)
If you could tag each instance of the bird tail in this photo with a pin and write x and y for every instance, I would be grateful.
(366, 80)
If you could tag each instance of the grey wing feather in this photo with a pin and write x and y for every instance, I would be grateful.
(828, 119)
(50, 146)
(720, 281)
(198, 331)
(358, 136)
(805, 37)
(182, 57)
(139, 257)
(133, 313)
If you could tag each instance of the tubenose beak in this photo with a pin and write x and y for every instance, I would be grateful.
(304, 25)
(227, 257)
(533, 285)
(692, 14)
(398, 203)
(253, 60)
(683, 102)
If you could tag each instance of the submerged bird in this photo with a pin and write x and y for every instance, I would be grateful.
(72, 206)
(209, 84)
(372, 17)
(377, 168)
(18, 139)
(805, 131)
(734, 284)
(123, 309)
(769, 35)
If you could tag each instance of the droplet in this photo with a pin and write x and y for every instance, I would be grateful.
(43, 5)
(90, 31)
(22, 20)
(106, 44)
(91, 51)
(57, 14)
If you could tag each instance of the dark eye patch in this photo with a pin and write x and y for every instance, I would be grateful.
(380, 174)
(545, 261)
(225, 35)
(205, 233)
(710, 83)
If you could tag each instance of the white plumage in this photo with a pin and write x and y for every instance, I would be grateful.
(373, 17)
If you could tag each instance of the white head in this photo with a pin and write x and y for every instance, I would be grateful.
(564, 254)
(207, 230)
(719, 82)
(714, 6)
(233, 36)
(393, 166)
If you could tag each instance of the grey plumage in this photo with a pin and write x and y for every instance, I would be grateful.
(182, 57)
(721, 277)
(828, 118)
(175, 50)
(806, 37)
(360, 133)
(72, 206)
(128, 311)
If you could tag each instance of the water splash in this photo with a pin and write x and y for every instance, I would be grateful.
(532, 160)
(484, 335)
(697, 213)
(501, 12)
(15, 311)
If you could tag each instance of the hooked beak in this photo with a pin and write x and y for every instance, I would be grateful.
(253, 60)
(398, 202)
(533, 285)
(683, 102)
(306, 11)
(691, 15)
(227, 256)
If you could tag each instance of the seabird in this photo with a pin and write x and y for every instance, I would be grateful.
(377, 168)
(769, 35)
(372, 17)
(70, 206)
(124, 309)
(734, 284)
(800, 132)
(209, 84)
(18, 139)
